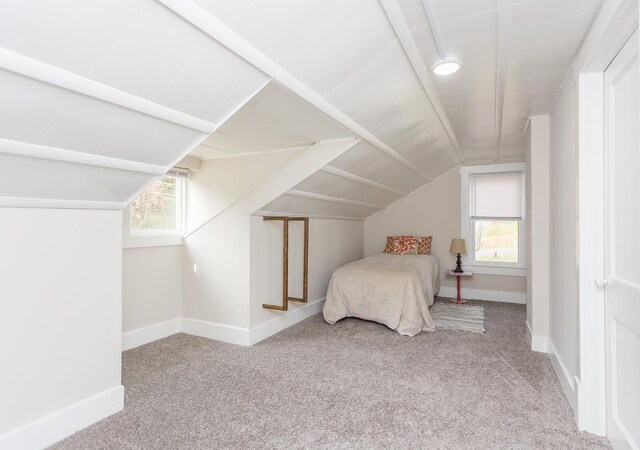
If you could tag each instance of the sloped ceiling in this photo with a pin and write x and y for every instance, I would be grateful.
(273, 120)
(98, 98)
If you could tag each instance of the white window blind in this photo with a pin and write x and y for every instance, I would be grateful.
(496, 195)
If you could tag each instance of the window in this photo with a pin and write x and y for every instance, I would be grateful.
(157, 209)
(157, 215)
(493, 218)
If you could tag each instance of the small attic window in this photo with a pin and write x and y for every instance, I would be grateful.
(159, 207)
(158, 215)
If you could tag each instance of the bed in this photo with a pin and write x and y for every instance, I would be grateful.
(394, 290)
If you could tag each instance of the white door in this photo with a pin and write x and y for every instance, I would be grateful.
(622, 246)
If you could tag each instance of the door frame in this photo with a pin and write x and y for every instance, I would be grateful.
(591, 382)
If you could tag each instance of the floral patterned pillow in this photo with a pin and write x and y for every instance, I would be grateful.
(424, 244)
(405, 245)
(390, 241)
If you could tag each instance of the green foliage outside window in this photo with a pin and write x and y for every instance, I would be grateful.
(497, 240)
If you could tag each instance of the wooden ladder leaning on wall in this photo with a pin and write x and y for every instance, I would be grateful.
(285, 262)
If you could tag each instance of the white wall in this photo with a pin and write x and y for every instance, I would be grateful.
(433, 210)
(611, 28)
(220, 182)
(563, 232)
(151, 286)
(332, 244)
(216, 258)
(537, 192)
(219, 291)
(60, 318)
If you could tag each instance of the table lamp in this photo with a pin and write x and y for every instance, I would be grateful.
(458, 246)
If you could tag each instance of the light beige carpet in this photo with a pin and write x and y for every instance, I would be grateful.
(355, 384)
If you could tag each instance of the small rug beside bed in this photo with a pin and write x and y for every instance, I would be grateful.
(449, 316)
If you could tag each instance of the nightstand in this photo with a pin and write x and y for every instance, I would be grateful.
(458, 276)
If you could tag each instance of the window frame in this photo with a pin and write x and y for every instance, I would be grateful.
(467, 230)
(157, 238)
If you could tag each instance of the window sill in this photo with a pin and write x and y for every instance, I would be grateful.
(150, 240)
(496, 270)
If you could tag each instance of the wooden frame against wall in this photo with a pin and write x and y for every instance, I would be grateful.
(285, 262)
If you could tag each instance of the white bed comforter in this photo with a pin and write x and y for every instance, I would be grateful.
(395, 290)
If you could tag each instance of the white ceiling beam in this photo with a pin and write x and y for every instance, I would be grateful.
(358, 179)
(30, 150)
(503, 47)
(328, 198)
(38, 70)
(310, 216)
(399, 24)
(200, 18)
(27, 202)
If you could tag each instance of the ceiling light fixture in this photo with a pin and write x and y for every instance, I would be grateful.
(446, 66)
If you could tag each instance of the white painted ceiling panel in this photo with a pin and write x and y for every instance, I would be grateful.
(544, 51)
(152, 51)
(35, 178)
(222, 78)
(367, 96)
(26, 106)
(15, 24)
(284, 19)
(146, 140)
(473, 48)
(335, 186)
(307, 206)
(353, 62)
(451, 10)
(368, 162)
(228, 145)
(334, 18)
(26, 177)
(466, 28)
(98, 183)
(536, 12)
(549, 32)
(71, 128)
(223, 10)
(31, 111)
(389, 65)
(435, 158)
(77, 45)
(274, 119)
(530, 67)
(312, 64)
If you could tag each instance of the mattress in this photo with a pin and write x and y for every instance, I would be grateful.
(394, 290)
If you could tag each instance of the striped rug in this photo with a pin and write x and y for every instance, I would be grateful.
(448, 316)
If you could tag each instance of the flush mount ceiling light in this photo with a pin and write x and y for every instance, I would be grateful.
(446, 66)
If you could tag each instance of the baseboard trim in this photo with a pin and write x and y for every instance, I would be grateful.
(217, 331)
(141, 336)
(481, 294)
(249, 336)
(538, 343)
(60, 424)
(293, 316)
(567, 381)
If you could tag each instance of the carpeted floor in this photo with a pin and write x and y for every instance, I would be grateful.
(355, 384)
